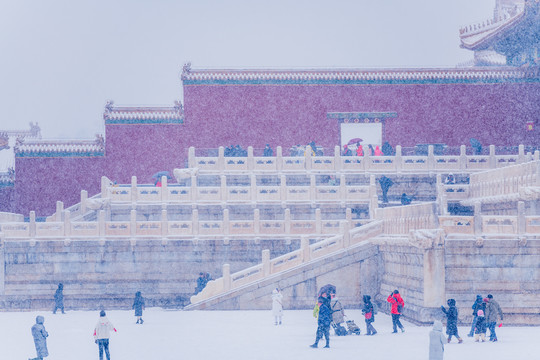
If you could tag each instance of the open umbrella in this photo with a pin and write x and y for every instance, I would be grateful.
(159, 174)
(328, 289)
(355, 141)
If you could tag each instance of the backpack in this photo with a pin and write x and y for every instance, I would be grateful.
(399, 308)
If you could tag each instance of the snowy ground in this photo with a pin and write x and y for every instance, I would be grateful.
(241, 335)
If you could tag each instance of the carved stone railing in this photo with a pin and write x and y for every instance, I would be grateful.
(504, 184)
(382, 164)
(306, 253)
(402, 219)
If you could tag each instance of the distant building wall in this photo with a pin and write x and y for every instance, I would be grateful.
(297, 114)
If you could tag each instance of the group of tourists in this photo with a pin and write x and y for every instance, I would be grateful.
(486, 315)
(358, 150)
(102, 330)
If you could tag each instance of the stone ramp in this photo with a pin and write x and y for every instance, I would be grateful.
(301, 283)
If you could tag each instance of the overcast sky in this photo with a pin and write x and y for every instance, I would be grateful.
(60, 61)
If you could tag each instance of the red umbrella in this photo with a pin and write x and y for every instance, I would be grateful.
(355, 141)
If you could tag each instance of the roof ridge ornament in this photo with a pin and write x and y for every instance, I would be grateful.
(186, 69)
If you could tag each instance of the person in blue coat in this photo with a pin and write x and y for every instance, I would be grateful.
(478, 305)
(452, 317)
(138, 305)
(323, 322)
(40, 338)
(59, 299)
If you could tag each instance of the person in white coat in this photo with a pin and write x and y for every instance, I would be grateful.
(277, 306)
(436, 341)
(102, 333)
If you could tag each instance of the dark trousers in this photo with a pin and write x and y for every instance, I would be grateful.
(396, 322)
(473, 326)
(104, 345)
(323, 331)
(58, 306)
(491, 326)
(370, 329)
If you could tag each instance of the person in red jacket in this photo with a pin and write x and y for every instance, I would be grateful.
(397, 307)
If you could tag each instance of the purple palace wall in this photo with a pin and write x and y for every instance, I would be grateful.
(296, 114)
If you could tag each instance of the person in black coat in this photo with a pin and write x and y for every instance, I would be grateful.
(452, 317)
(59, 299)
(369, 314)
(323, 322)
(478, 305)
(138, 305)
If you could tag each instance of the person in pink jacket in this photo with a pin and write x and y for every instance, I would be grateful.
(397, 307)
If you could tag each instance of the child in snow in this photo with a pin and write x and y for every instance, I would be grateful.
(277, 306)
(436, 342)
(101, 334)
(369, 314)
(480, 331)
(40, 338)
(452, 317)
(138, 305)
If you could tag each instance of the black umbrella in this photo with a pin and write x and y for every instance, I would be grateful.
(328, 289)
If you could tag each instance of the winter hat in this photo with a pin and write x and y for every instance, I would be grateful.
(396, 292)
(490, 296)
(480, 313)
(102, 313)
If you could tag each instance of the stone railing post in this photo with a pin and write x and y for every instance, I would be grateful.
(287, 221)
(478, 226)
(521, 223)
(344, 231)
(191, 157)
(195, 222)
(307, 159)
(221, 159)
(536, 155)
(283, 188)
(367, 159)
(312, 188)
(279, 159)
(2, 266)
(223, 189)
(492, 157)
(226, 221)
(226, 277)
(373, 205)
(84, 198)
(164, 223)
(133, 223)
(266, 262)
(250, 159)
(342, 189)
(348, 216)
(193, 189)
(253, 188)
(430, 158)
(398, 159)
(318, 221)
(67, 223)
(337, 158)
(463, 161)
(32, 225)
(521, 154)
(164, 189)
(105, 184)
(256, 221)
(304, 245)
(59, 209)
(134, 191)
(101, 223)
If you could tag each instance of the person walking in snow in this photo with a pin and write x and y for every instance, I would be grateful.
(493, 314)
(40, 338)
(102, 334)
(480, 331)
(323, 321)
(478, 305)
(451, 320)
(436, 342)
(369, 314)
(277, 306)
(138, 305)
(59, 299)
(397, 307)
